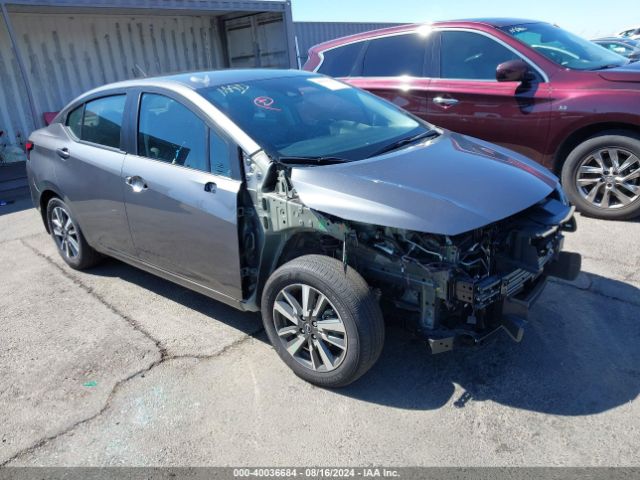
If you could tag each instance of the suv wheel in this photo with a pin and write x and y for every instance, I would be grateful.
(323, 320)
(72, 246)
(601, 177)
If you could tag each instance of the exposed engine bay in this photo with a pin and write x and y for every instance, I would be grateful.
(464, 287)
(449, 289)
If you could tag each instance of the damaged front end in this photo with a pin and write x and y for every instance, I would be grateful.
(451, 289)
(460, 289)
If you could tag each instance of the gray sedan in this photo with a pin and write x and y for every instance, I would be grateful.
(309, 200)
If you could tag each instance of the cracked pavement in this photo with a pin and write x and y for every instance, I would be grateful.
(114, 366)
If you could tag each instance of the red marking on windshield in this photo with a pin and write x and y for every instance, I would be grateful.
(266, 103)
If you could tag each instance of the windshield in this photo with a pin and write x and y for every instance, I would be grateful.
(564, 48)
(313, 117)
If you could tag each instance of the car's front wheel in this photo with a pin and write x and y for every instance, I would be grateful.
(323, 320)
(601, 176)
(64, 229)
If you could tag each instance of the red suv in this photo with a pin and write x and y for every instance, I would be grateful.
(567, 103)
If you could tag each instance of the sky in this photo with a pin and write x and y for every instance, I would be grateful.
(588, 18)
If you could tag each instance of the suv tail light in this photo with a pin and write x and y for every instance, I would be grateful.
(28, 147)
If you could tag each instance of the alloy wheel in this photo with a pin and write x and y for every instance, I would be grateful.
(310, 328)
(65, 232)
(609, 178)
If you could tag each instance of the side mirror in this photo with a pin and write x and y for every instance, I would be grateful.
(513, 71)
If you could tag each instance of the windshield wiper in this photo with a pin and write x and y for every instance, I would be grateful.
(611, 65)
(311, 160)
(406, 141)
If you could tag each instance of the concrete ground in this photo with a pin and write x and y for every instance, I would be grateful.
(117, 367)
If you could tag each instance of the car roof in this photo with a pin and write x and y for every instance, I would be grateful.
(497, 22)
(197, 80)
(468, 22)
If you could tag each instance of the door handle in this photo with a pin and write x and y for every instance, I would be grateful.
(445, 102)
(210, 187)
(63, 153)
(136, 183)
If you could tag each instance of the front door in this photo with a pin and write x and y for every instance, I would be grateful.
(466, 97)
(183, 217)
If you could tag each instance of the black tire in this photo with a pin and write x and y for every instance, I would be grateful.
(353, 301)
(86, 256)
(626, 141)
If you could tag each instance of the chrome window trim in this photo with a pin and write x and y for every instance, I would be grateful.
(529, 62)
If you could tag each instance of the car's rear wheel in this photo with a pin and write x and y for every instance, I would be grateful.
(72, 246)
(323, 320)
(601, 176)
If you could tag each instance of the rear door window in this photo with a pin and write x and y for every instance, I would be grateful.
(170, 132)
(471, 56)
(102, 121)
(395, 55)
(340, 61)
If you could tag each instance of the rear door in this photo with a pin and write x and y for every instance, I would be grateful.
(182, 183)
(397, 67)
(88, 171)
(466, 97)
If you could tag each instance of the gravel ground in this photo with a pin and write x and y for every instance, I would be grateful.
(117, 367)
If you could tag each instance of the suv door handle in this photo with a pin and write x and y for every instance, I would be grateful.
(136, 183)
(63, 153)
(210, 187)
(445, 102)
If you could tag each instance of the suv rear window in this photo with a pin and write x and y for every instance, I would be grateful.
(395, 55)
(339, 61)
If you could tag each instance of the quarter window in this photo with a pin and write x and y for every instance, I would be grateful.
(395, 55)
(170, 132)
(467, 55)
(339, 61)
(220, 155)
(102, 121)
(74, 121)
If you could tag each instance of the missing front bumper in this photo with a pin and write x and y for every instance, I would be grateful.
(515, 308)
(515, 311)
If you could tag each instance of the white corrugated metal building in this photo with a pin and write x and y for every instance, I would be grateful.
(53, 50)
